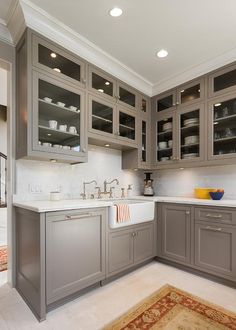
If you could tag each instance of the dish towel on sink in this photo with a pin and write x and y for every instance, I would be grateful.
(123, 213)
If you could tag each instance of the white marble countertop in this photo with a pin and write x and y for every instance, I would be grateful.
(50, 206)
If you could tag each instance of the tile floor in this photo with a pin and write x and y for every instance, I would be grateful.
(97, 308)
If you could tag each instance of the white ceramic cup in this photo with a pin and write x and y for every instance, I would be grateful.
(61, 104)
(47, 99)
(72, 108)
(162, 145)
(63, 127)
(52, 124)
(55, 196)
(72, 129)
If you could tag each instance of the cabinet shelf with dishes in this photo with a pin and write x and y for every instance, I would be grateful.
(51, 121)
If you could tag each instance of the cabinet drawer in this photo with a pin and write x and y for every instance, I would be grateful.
(215, 215)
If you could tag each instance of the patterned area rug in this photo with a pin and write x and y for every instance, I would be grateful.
(172, 309)
(3, 258)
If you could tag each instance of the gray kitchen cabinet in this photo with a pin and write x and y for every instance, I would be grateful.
(58, 254)
(215, 249)
(130, 246)
(56, 61)
(175, 229)
(102, 84)
(75, 252)
(120, 250)
(222, 128)
(165, 101)
(127, 96)
(111, 124)
(144, 243)
(222, 81)
(50, 117)
(190, 93)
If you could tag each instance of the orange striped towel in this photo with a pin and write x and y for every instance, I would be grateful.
(123, 213)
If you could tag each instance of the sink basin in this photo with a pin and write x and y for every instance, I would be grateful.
(140, 211)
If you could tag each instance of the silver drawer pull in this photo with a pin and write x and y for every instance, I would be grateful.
(216, 216)
(213, 228)
(75, 217)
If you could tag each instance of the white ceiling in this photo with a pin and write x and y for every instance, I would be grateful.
(193, 32)
(4, 7)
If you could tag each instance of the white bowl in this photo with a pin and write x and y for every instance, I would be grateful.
(61, 104)
(162, 145)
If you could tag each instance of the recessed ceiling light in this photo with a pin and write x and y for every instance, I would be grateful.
(162, 53)
(217, 104)
(57, 70)
(101, 90)
(116, 12)
(53, 55)
(181, 168)
(107, 83)
(107, 145)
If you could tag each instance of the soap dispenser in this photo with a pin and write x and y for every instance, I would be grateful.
(129, 190)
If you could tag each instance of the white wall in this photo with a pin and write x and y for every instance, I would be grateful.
(35, 180)
(182, 182)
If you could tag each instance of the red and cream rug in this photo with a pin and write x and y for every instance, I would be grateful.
(3, 258)
(170, 308)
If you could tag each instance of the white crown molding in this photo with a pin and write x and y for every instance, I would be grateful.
(15, 21)
(194, 72)
(5, 35)
(50, 27)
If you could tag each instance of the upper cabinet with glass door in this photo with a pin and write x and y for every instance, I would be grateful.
(222, 122)
(190, 93)
(102, 84)
(166, 101)
(165, 142)
(127, 96)
(222, 81)
(144, 105)
(58, 118)
(58, 62)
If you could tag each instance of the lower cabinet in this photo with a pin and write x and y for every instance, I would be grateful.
(175, 227)
(130, 246)
(75, 252)
(215, 249)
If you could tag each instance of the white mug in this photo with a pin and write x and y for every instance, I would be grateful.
(72, 129)
(63, 128)
(52, 124)
(162, 145)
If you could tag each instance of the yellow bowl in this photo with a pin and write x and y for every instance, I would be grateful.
(203, 193)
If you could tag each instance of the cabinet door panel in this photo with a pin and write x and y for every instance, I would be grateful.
(176, 233)
(102, 84)
(215, 247)
(191, 92)
(120, 250)
(165, 101)
(75, 253)
(144, 243)
(222, 81)
(127, 97)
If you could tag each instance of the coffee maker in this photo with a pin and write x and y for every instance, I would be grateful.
(148, 185)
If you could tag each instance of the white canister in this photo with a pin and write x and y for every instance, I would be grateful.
(72, 129)
(52, 124)
(55, 195)
(63, 128)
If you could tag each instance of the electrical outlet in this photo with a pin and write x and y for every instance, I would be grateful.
(34, 188)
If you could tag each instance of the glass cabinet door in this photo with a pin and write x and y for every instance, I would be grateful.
(164, 133)
(222, 81)
(127, 125)
(58, 114)
(144, 141)
(190, 135)
(127, 97)
(190, 93)
(101, 83)
(58, 62)
(223, 119)
(166, 101)
(102, 115)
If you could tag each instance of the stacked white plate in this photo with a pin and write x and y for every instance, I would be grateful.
(163, 159)
(167, 126)
(191, 122)
(192, 139)
(191, 155)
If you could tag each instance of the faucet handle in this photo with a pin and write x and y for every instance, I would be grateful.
(122, 192)
(99, 192)
(111, 192)
(83, 195)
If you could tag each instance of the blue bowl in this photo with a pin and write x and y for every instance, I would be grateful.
(216, 195)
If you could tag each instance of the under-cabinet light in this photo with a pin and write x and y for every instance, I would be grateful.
(107, 83)
(101, 90)
(218, 104)
(57, 70)
(107, 145)
(182, 91)
(162, 53)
